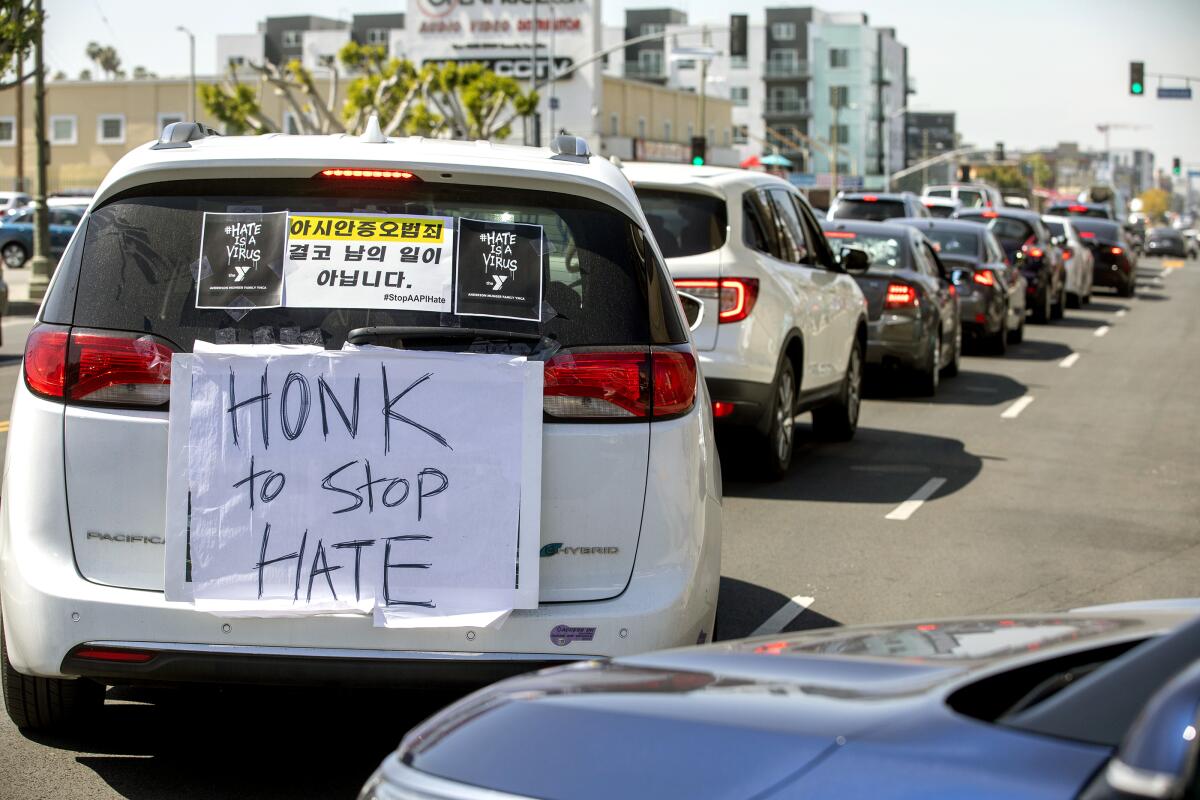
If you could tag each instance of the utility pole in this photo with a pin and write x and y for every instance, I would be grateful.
(833, 136)
(192, 69)
(924, 157)
(550, 70)
(703, 91)
(20, 132)
(533, 78)
(40, 266)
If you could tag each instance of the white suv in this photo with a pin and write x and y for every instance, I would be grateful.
(783, 328)
(630, 549)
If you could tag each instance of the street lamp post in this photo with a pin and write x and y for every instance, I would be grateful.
(191, 68)
(40, 266)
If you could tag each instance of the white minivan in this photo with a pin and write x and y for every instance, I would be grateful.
(630, 489)
(783, 328)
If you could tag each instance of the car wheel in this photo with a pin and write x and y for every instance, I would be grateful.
(951, 369)
(1060, 307)
(774, 452)
(927, 379)
(1017, 335)
(1041, 308)
(838, 421)
(1074, 300)
(46, 704)
(998, 343)
(14, 255)
(1128, 289)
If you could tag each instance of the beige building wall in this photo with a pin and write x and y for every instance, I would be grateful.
(635, 102)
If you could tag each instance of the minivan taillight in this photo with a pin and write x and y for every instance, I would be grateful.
(619, 384)
(98, 367)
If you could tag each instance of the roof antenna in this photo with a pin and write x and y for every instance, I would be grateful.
(373, 134)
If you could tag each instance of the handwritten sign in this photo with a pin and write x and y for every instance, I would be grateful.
(369, 261)
(241, 260)
(401, 483)
(499, 270)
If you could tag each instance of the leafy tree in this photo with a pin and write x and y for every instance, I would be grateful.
(105, 57)
(140, 73)
(1155, 203)
(85, 74)
(1039, 170)
(1002, 176)
(19, 25)
(59, 75)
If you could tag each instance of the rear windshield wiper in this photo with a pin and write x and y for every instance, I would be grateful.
(534, 345)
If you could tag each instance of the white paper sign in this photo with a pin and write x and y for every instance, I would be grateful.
(402, 482)
(402, 262)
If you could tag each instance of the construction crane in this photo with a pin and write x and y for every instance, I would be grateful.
(1106, 127)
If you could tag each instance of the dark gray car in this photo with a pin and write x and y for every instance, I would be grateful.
(912, 308)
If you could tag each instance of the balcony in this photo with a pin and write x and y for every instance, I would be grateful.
(645, 72)
(786, 69)
(776, 107)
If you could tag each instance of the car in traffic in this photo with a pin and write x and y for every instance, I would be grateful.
(941, 207)
(876, 206)
(1077, 257)
(1115, 263)
(784, 326)
(913, 323)
(1095, 704)
(630, 554)
(1165, 242)
(1078, 208)
(1015, 200)
(971, 195)
(16, 233)
(991, 291)
(1026, 243)
(12, 201)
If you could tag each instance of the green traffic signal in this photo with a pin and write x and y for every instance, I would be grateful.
(1137, 78)
(1137, 88)
(697, 161)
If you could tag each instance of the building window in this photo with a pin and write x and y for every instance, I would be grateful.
(641, 127)
(739, 62)
(377, 36)
(783, 31)
(842, 134)
(650, 62)
(165, 118)
(237, 61)
(667, 131)
(686, 63)
(782, 62)
(649, 28)
(110, 129)
(839, 96)
(740, 95)
(293, 38)
(614, 125)
(63, 129)
(839, 57)
(741, 134)
(8, 131)
(725, 133)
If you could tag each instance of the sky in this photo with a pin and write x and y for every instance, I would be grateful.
(1027, 73)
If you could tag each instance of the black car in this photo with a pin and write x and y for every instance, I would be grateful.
(912, 307)
(1075, 208)
(1027, 244)
(876, 207)
(1165, 242)
(1116, 264)
(991, 292)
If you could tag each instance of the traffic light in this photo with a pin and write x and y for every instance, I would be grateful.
(999, 151)
(1176, 167)
(1137, 77)
(699, 148)
(738, 26)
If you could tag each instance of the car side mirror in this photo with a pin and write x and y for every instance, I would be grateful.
(855, 259)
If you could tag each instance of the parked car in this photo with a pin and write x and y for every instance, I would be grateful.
(971, 195)
(1165, 242)
(991, 291)
(1026, 243)
(12, 201)
(942, 207)
(1115, 262)
(1078, 208)
(628, 418)
(784, 328)
(876, 206)
(1077, 257)
(16, 233)
(913, 321)
(1099, 704)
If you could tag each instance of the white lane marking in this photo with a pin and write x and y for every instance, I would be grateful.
(1069, 361)
(1019, 405)
(910, 506)
(1103, 329)
(781, 618)
(1121, 312)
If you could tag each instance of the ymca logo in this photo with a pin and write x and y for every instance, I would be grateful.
(241, 274)
(497, 281)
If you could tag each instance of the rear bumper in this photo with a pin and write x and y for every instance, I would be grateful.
(893, 340)
(1111, 275)
(751, 401)
(980, 313)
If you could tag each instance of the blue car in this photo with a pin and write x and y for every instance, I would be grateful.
(1096, 703)
(16, 233)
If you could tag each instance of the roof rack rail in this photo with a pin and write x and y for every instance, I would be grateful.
(572, 147)
(178, 134)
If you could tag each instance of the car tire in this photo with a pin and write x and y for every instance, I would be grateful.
(772, 457)
(47, 704)
(837, 421)
(14, 255)
(1129, 288)
(1074, 300)
(997, 343)
(951, 369)
(1058, 310)
(1041, 309)
(927, 379)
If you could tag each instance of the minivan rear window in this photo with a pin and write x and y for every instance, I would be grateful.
(684, 223)
(875, 210)
(141, 251)
(970, 198)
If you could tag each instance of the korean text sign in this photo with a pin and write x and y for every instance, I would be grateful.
(404, 483)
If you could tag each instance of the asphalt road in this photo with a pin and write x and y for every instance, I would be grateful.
(977, 501)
